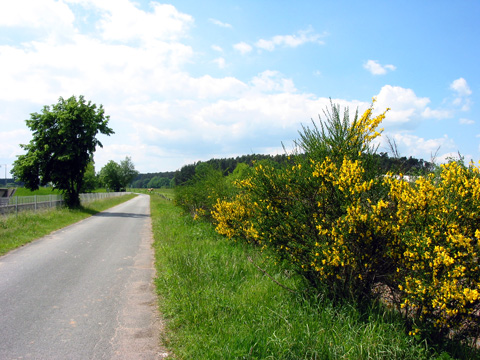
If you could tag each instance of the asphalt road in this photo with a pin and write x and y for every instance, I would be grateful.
(83, 292)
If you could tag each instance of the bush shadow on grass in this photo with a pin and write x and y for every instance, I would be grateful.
(374, 310)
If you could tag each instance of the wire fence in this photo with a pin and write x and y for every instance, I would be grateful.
(15, 204)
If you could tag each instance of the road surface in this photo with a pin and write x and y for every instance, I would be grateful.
(83, 292)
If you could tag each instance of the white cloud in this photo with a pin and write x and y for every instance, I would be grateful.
(464, 121)
(208, 87)
(217, 48)
(35, 14)
(436, 114)
(243, 48)
(220, 23)
(43, 71)
(407, 109)
(376, 69)
(462, 94)
(406, 106)
(302, 37)
(142, 155)
(10, 141)
(124, 22)
(269, 81)
(257, 121)
(419, 147)
(265, 44)
(461, 87)
(220, 62)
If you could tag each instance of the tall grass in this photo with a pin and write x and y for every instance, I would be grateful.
(17, 230)
(218, 305)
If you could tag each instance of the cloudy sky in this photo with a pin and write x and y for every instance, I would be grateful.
(192, 80)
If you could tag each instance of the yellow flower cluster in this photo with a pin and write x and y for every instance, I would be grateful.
(233, 218)
(365, 129)
(368, 125)
(437, 222)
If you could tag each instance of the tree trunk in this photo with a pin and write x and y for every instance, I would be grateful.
(72, 196)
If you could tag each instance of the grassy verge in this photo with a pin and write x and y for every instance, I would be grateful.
(218, 305)
(17, 230)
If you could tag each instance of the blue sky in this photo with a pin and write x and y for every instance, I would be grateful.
(189, 80)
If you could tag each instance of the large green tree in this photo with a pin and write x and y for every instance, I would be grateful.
(110, 176)
(127, 171)
(118, 176)
(64, 140)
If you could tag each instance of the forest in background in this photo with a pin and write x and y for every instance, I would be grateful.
(169, 179)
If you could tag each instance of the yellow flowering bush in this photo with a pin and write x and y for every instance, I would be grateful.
(233, 218)
(435, 223)
(312, 212)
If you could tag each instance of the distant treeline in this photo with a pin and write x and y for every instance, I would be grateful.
(154, 180)
(408, 166)
(404, 165)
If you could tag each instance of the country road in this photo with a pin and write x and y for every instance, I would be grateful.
(83, 292)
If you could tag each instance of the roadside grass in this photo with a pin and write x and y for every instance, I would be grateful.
(218, 305)
(26, 226)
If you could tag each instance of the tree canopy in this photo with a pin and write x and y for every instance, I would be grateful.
(118, 176)
(64, 140)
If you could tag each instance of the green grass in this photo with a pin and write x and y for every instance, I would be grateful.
(21, 191)
(17, 230)
(218, 305)
(167, 193)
